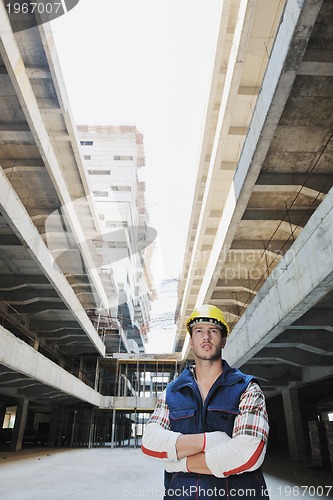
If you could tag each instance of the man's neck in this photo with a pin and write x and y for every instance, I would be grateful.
(207, 371)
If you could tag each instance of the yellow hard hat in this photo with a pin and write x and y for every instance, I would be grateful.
(207, 314)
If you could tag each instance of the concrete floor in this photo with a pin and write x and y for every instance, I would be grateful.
(105, 473)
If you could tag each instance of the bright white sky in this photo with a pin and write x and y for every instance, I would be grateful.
(146, 63)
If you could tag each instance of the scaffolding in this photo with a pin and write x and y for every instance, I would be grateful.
(133, 384)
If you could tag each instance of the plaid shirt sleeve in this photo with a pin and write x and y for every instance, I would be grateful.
(159, 441)
(253, 419)
(245, 451)
(161, 413)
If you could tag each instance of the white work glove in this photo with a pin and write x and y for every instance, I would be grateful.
(179, 466)
(213, 439)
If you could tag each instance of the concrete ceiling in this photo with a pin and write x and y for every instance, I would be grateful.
(249, 209)
(48, 276)
(14, 385)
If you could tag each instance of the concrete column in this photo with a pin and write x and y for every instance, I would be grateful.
(92, 429)
(20, 421)
(81, 369)
(294, 423)
(101, 387)
(2, 415)
(97, 374)
(113, 431)
(73, 439)
(53, 430)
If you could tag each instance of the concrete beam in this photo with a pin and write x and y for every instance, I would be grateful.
(134, 403)
(31, 298)
(21, 163)
(235, 53)
(318, 341)
(286, 56)
(318, 317)
(129, 403)
(20, 80)
(283, 194)
(20, 137)
(232, 296)
(239, 131)
(293, 216)
(14, 127)
(315, 68)
(20, 357)
(39, 73)
(317, 182)
(289, 291)
(19, 220)
(275, 374)
(316, 373)
(9, 242)
(296, 356)
(276, 246)
(249, 91)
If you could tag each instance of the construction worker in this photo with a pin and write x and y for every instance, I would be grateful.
(210, 425)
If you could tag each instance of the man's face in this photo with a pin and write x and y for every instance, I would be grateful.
(207, 341)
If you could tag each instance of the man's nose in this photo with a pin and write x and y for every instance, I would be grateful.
(207, 334)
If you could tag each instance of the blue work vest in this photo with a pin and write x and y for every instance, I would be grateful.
(189, 415)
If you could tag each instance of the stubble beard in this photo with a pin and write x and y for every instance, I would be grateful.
(209, 356)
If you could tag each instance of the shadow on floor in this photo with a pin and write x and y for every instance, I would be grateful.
(286, 478)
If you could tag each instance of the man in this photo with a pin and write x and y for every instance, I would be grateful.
(210, 425)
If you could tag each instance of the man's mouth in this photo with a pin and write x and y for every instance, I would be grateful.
(207, 345)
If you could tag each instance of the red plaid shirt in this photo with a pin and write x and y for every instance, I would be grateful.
(244, 451)
(252, 419)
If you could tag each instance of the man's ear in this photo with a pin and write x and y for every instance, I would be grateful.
(190, 341)
(224, 341)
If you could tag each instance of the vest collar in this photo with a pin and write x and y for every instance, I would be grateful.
(229, 376)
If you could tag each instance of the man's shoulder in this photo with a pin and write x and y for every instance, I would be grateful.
(254, 386)
(186, 376)
(241, 382)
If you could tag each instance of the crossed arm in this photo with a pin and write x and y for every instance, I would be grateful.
(212, 452)
(191, 448)
(181, 452)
